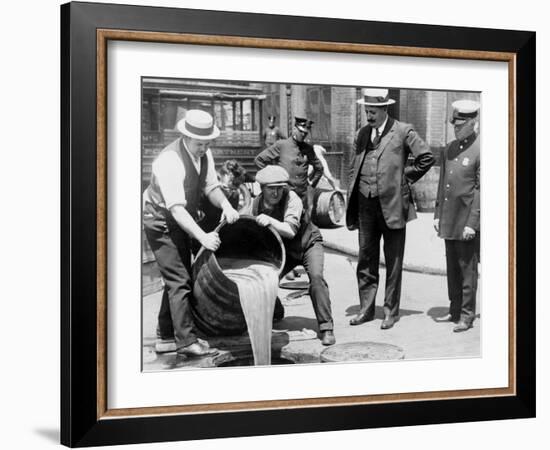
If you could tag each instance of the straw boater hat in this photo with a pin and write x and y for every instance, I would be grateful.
(464, 109)
(272, 176)
(375, 97)
(198, 124)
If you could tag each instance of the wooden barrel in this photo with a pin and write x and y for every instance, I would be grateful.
(329, 208)
(215, 305)
(425, 191)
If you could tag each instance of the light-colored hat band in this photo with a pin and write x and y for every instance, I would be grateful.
(199, 131)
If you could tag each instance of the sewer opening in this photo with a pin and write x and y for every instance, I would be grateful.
(249, 361)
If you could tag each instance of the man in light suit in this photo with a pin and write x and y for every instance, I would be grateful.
(379, 200)
(457, 214)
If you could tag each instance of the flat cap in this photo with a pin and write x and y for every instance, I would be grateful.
(273, 176)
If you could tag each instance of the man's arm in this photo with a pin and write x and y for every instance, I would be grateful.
(317, 168)
(440, 190)
(218, 198)
(354, 153)
(440, 183)
(291, 221)
(268, 156)
(423, 156)
(210, 241)
(473, 219)
(283, 228)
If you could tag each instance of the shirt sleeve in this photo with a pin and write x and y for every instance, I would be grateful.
(293, 211)
(211, 181)
(170, 174)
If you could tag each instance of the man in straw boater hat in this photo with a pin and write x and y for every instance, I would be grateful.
(272, 133)
(295, 155)
(281, 208)
(180, 174)
(457, 212)
(379, 200)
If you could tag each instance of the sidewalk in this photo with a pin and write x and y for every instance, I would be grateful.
(424, 251)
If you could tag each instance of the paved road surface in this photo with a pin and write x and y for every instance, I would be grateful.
(423, 297)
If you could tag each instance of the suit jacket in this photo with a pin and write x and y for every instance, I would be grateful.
(393, 176)
(458, 193)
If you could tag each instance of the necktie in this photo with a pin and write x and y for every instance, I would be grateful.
(376, 139)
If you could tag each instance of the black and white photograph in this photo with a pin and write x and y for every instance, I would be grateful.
(287, 223)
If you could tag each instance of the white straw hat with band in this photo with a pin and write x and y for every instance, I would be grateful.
(376, 97)
(198, 124)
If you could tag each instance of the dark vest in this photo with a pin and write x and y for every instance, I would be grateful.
(367, 178)
(367, 182)
(306, 235)
(157, 216)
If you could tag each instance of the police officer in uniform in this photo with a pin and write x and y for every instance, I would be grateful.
(295, 155)
(457, 214)
(272, 133)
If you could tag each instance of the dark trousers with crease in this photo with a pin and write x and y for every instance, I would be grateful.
(462, 259)
(172, 250)
(313, 262)
(372, 227)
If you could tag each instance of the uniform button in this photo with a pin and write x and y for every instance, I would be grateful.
(456, 159)
(461, 147)
(451, 171)
(448, 185)
(446, 199)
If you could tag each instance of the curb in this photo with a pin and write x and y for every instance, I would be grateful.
(416, 268)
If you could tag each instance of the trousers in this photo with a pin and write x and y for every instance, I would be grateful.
(372, 227)
(313, 261)
(172, 250)
(462, 276)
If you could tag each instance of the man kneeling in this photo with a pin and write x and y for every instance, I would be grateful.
(283, 210)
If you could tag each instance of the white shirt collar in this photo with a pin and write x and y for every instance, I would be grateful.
(381, 127)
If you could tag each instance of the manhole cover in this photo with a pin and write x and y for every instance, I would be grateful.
(362, 351)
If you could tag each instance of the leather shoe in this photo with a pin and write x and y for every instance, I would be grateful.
(198, 348)
(447, 318)
(327, 337)
(388, 322)
(360, 318)
(462, 326)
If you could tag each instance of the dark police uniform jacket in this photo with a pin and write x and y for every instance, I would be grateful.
(272, 135)
(458, 194)
(295, 157)
(393, 176)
